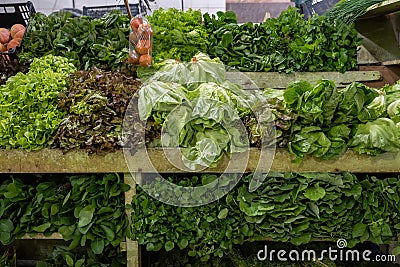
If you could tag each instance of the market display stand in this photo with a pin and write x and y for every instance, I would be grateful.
(50, 161)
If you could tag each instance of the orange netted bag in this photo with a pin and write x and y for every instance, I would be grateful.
(140, 42)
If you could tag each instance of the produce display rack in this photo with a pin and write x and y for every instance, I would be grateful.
(51, 161)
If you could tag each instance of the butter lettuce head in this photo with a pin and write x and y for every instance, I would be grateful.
(381, 135)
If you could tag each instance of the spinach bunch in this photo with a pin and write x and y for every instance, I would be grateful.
(288, 207)
(28, 104)
(205, 231)
(31, 207)
(84, 40)
(298, 208)
(177, 34)
(96, 212)
(95, 104)
(83, 209)
(380, 212)
(284, 44)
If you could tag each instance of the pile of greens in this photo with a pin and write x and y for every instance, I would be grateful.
(28, 104)
(84, 40)
(199, 109)
(177, 34)
(284, 44)
(95, 103)
(288, 207)
(84, 209)
(330, 120)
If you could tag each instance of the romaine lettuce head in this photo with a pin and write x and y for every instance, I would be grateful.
(352, 100)
(314, 105)
(375, 109)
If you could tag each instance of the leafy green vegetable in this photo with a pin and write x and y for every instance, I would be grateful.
(95, 104)
(288, 207)
(393, 111)
(284, 44)
(375, 109)
(83, 209)
(177, 34)
(353, 99)
(392, 92)
(28, 104)
(381, 135)
(310, 140)
(87, 42)
(392, 101)
(315, 105)
(83, 257)
(200, 112)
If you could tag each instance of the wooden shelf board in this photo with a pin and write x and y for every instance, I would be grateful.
(257, 80)
(54, 161)
(386, 7)
(55, 236)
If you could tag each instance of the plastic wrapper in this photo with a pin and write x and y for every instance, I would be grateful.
(140, 42)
